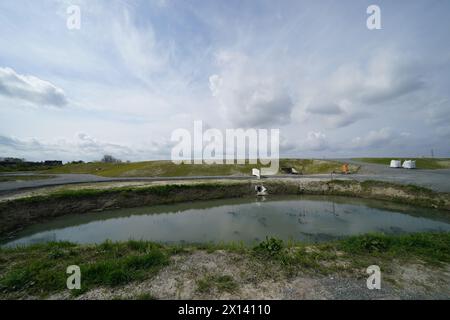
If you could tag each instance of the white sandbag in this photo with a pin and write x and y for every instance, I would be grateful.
(396, 164)
(409, 164)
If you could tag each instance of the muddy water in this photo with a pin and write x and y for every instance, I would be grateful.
(306, 218)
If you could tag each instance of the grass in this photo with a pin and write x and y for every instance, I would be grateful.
(165, 190)
(363, 250)
(292, 256)
(145, 296)
(169, 169)
(350, 255)
(270, 246)
(223, 283)
(40, 270)
(433, 248)
(393, 192)
(410, 188)
(421, 163)
(24, 177)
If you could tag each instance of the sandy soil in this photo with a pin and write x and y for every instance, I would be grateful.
(255, 281)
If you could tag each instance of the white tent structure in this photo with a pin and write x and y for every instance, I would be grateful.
(409, 164)
(396, 164)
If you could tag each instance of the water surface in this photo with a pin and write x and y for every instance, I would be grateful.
(305, 218)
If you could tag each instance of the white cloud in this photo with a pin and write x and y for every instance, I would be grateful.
(355, 91)
(139, 49)
(387, 75)
(249, 96)
(314, 141)
(81, 146)
(438, 113)
(137, 70)
(30, 89)
(374, 139)
(334, 114)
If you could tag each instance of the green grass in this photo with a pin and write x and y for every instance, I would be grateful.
(223, 283)
(421, 163)
(161, 190)
(270, 246)
(351, 254)
(434, 248)
(40, 270)
(145, 296)
(169, 169)
(24, 177)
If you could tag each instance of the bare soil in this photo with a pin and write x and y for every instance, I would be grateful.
(180, 280)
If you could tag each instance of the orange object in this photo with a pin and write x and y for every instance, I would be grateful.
(344, 168)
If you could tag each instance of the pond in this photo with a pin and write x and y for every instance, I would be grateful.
(304, 218)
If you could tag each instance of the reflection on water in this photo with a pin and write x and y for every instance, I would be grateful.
(249, 220)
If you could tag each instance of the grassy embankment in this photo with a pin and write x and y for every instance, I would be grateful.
(40, 270)
(421, 163)
(169, 169)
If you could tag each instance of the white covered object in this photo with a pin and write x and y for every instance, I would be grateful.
(396, 164)
(256, 173)
(409, 164)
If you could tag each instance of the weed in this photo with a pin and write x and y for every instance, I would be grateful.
(271, 246)
(224, 283)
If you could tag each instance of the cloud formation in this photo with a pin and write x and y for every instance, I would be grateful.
(137, 70)
(313, 141)
(249, 96)
(81, 146)
(374, 139)
(353, 92)
(30, 89)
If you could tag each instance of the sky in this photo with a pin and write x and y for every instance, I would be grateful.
(136, 71)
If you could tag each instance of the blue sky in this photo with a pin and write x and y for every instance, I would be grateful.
(137, 70)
